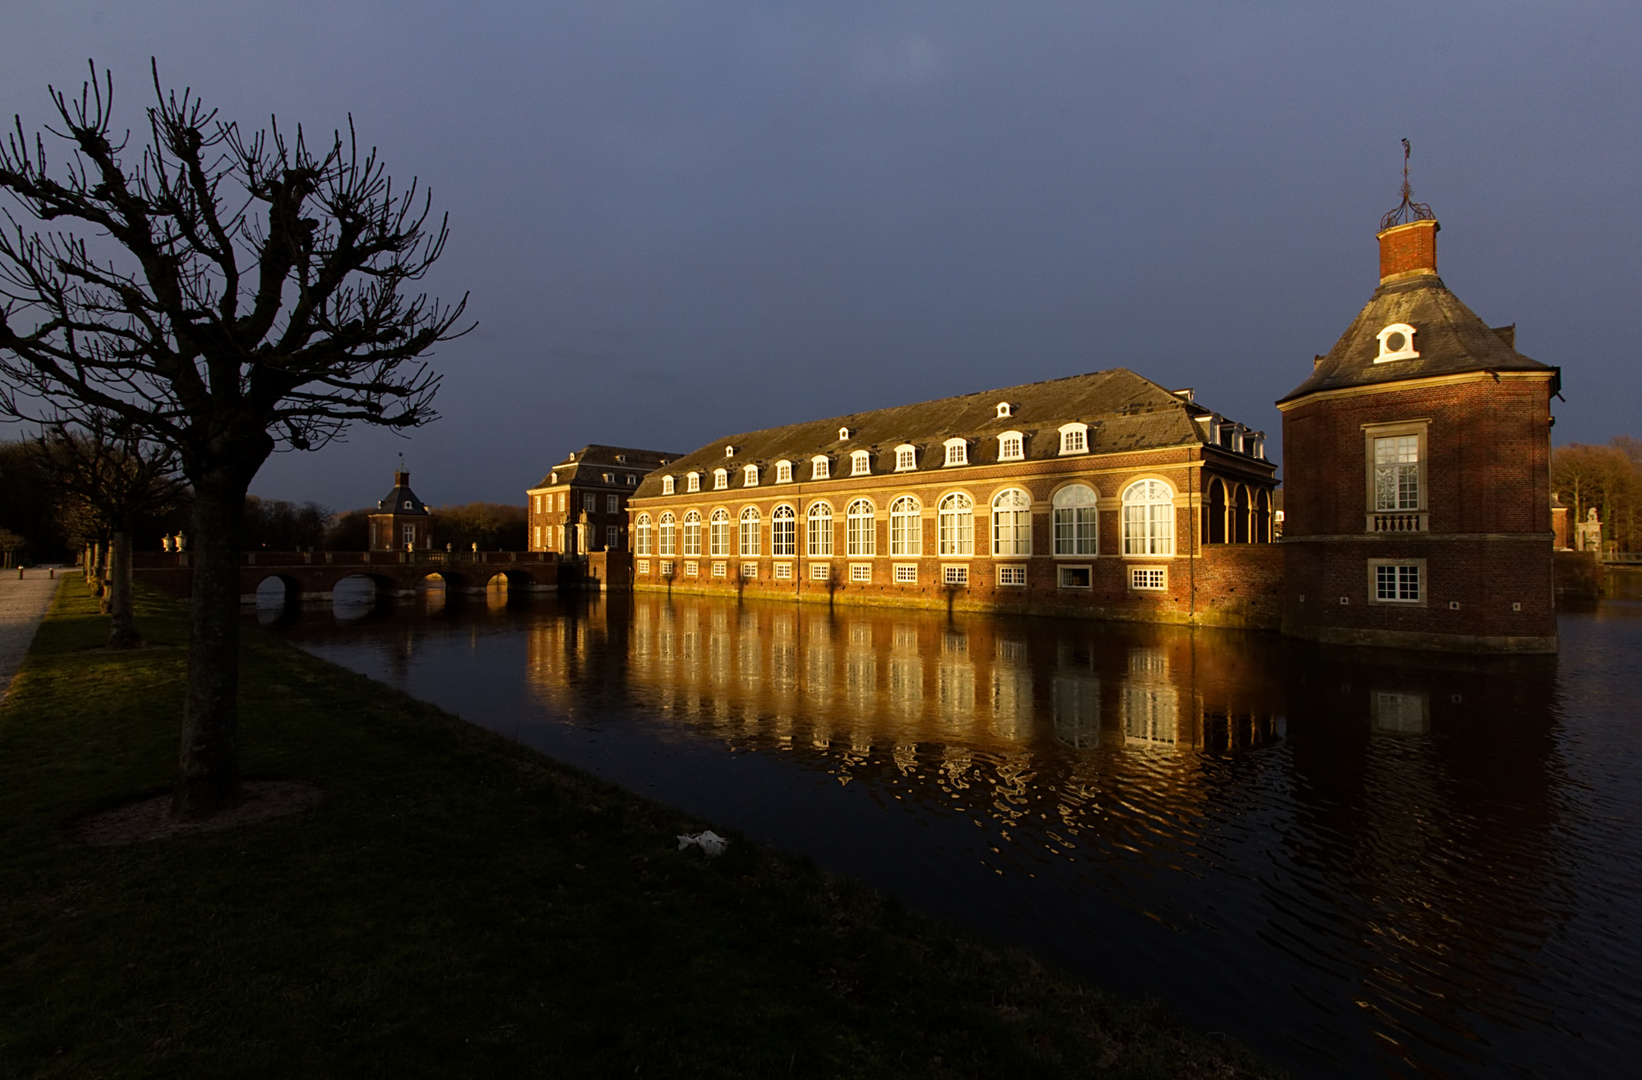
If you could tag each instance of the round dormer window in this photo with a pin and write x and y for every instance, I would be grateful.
(1397, 343)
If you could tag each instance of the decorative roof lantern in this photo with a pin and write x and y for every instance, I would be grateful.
(1408, 235)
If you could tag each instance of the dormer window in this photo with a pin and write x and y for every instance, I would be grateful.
(1011, 446)
(606, 477)
(957, 452)
(819, 469)
(729, 451)
(906, 457)
(408, 504)
(860, 463)
(1005, 410)
(749, 476)
(721, 479)
(621, 459)
(1397, 343)
(843, 434)
(692, 481)
(553, 478)
(783, 472)
(667, 485)
(1255, 445)
(1074, 439)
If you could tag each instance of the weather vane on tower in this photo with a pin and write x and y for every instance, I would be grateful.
(1408, 210)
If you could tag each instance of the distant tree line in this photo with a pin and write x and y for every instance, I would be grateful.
(1606, 476)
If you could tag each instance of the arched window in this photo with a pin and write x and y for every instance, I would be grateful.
(692, 534)
(669, 535)
(956, 525)
(644, 534)
(906, 532)
(957, 452)
(783, 472)
(749, 476)
(1148, 518)
(906, 457)
(860, 536)
(819, 467)
(667, 485)
(721, 479)
(783, 532)
(819, 530)
(1012, 523)
(1242, 516)
(718, 533)
(1074, 438)
(750, 532)
(692, 481)
(860, 462)
(1011, 446)
(1076, 521)
(1214, 514)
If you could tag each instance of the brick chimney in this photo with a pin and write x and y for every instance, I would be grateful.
(1409, 249)
(401, 477)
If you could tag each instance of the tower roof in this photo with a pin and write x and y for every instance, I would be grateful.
(402, 500)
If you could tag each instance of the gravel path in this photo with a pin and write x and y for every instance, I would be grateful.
(22, 605)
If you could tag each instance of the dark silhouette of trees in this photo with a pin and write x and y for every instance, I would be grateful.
(277, 525)
(28, 505)
(493, 526)
(117, 477)
(350, 531)
(228, 293)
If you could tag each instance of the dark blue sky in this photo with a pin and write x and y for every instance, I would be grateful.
(683, 220)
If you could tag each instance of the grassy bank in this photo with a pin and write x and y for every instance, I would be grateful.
(459, 906)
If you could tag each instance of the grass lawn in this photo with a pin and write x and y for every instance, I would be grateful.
(460, 906)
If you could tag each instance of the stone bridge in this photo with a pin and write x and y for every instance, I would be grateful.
(313, 575)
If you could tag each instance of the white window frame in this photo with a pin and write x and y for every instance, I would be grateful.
(1394, 435)
(906, 527)
(691, 568)
(820, 467)
(692, 535)
(783, 532)
(861, 463)
(1063, 571)
(718, 534)
(667, 537)
(692, 481)
(906, 573)
(1148, 579)
(612, 504)
(752, 533)
(590, 503)
(957, 453)
(667, 485)
(612, 538)
(719, 568)
(749, 476)
(955, 575)
(1148, 519)
(1005, 410)
(749, 571)
(1075, 521)
(783, 571)
(721, 479)
(666, 566)
(644, 566)
(906, 457)
(860, 529)
(1402, 570)
(1012, 576)
(1074, 438)
(955, 525)
(1011, 446)
(783, 472)
(818, 530)
(820, 571)
(1012, 524)
(860, 572)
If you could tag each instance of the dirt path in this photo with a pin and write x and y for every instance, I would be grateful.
(22, 605)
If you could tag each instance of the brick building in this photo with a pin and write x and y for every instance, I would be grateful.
(1102, 494)
(1417, 472)
(581, 504)
(402, 521)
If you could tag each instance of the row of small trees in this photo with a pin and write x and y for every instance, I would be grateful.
(1606, 476)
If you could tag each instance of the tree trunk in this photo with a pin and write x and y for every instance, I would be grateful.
(124, 634)
(208, 763)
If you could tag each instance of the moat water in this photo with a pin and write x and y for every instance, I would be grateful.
(1359, 863)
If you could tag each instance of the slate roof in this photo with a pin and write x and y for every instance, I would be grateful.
(1449, 336)
(600, 457)
(394, 501)
(1124, 412)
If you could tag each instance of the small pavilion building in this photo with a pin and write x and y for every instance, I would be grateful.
(402, 521)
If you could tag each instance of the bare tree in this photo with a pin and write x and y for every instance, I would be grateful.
(104, 462)
(237, 294)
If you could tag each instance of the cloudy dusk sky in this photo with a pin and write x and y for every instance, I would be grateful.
(677, 221)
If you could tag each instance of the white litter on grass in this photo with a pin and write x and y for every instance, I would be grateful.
(709, 842)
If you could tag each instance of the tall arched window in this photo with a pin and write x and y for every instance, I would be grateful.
(750, 532)
(860, 536)
(692, 535)
(644, 534)
(1148, 518)
(956, 523)
(669, 535)
(906, 532)
(1012, 523)
(1076, 521)
(721, 479)
(783, 532)
(718, 533)
(818, 530)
